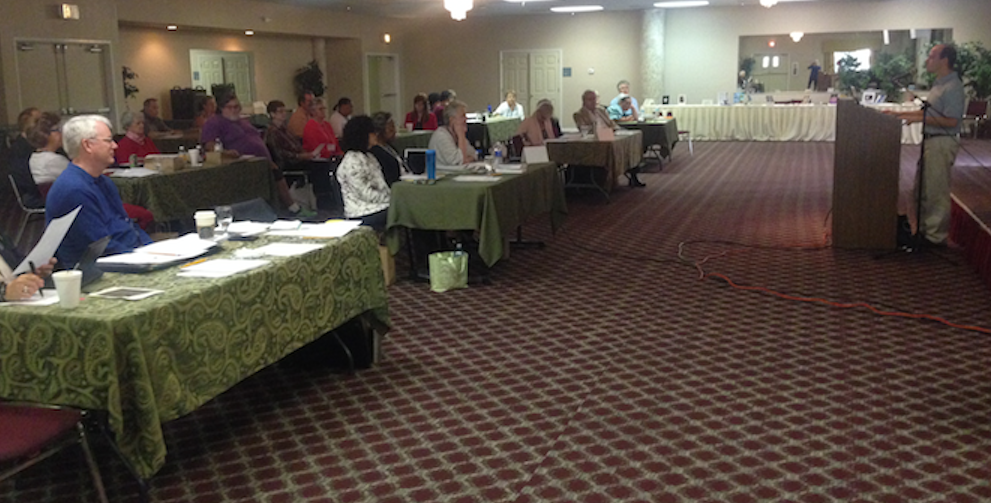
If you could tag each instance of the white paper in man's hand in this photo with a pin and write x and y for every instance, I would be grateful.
(316, 152)
(49, 242)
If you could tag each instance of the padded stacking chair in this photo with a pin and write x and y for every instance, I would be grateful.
(25, 209)
(977, 113)
(30, 434)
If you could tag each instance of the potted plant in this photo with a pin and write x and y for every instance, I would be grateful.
(309, 79)
(129, 88)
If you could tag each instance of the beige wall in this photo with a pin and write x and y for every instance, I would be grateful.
(161, 60)
(702, 44)
(33, 19)
(441, 54)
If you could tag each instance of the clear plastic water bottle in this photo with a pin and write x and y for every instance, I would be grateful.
(182, 153)
(497, 154)
(218, 146)
(459, 251)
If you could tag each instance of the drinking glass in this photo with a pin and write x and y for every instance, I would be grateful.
(224, 218)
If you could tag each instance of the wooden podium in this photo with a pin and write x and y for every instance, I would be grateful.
(865, 178)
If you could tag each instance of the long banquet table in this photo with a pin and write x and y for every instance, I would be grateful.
(793, 122)
(411, 139)
(483, 135)
(660, 132)
(614, 157)
(492, 208)
(175, 196)
(157, 359)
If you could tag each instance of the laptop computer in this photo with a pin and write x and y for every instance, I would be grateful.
(87, 262)
(416, 159)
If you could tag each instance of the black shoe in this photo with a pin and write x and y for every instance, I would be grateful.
(635, 182)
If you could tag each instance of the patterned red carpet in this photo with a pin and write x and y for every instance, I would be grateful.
(603, 369)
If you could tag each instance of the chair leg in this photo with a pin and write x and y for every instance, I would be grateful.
(691, 148)
(94, 469)
(20, 230)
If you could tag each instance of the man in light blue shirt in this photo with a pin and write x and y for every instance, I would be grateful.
(623, 110)
(624, 89)
(942, 120)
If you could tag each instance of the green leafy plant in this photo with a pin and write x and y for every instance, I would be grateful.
(974, 66)
(128, 76)
(890, 72)
(309, 79)
(850, 76)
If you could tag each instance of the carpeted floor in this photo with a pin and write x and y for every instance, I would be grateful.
(603, 369)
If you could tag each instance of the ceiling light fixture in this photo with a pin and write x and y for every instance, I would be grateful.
(768, 3)
(577, 8)
(796, 36)
(681, 3)
(458, 8)
(249, 32)
(387, 38)
(172, 27)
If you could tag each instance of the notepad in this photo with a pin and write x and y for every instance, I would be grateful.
(329, 229)
(221, 268)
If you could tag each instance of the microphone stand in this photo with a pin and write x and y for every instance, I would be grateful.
(918, 237)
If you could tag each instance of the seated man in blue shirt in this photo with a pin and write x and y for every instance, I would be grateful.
(89, 142)
(623, 110)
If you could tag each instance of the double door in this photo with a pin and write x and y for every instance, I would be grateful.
(70, 77)
(533, 74)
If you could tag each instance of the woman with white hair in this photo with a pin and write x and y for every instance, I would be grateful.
(134, 141)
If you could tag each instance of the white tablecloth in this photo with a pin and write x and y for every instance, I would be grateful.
(805, 122)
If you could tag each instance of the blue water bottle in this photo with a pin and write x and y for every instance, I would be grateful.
(431, 164)
(490, 110)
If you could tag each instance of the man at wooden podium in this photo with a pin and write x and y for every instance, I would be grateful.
(942, 141)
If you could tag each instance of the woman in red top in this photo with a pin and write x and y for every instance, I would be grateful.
(420, 117)
(134, 140)
(318, 135)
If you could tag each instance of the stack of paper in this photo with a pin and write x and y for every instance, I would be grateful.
(247, 228)
(329, 229)
(134, 173)
(277, 250)
(162, 252)
(476, 178)
(220, 268)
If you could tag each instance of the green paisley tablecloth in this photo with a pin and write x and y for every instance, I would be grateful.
(492, 208)
(178, 195)
(484, 134)
(157, 359)
(614, 157)
(411, 139)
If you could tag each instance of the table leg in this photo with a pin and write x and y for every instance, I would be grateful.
(520, 243)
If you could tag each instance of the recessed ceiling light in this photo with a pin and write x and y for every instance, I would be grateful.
(172, 27)
(577, 8)
(682, 3)
(249, 32)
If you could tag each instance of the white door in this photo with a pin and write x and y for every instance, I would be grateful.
(38, 76)
(516, 76)
(224, 67)
(237, 71)
(87, 89)
(545, 77)
(382, 88)
(208, 69)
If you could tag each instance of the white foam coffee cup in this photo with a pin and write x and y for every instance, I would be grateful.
(194, 156)
(206, 220)
(409, 126)
(68, 284)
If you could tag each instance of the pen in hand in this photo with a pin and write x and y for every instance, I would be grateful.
(35, 272)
